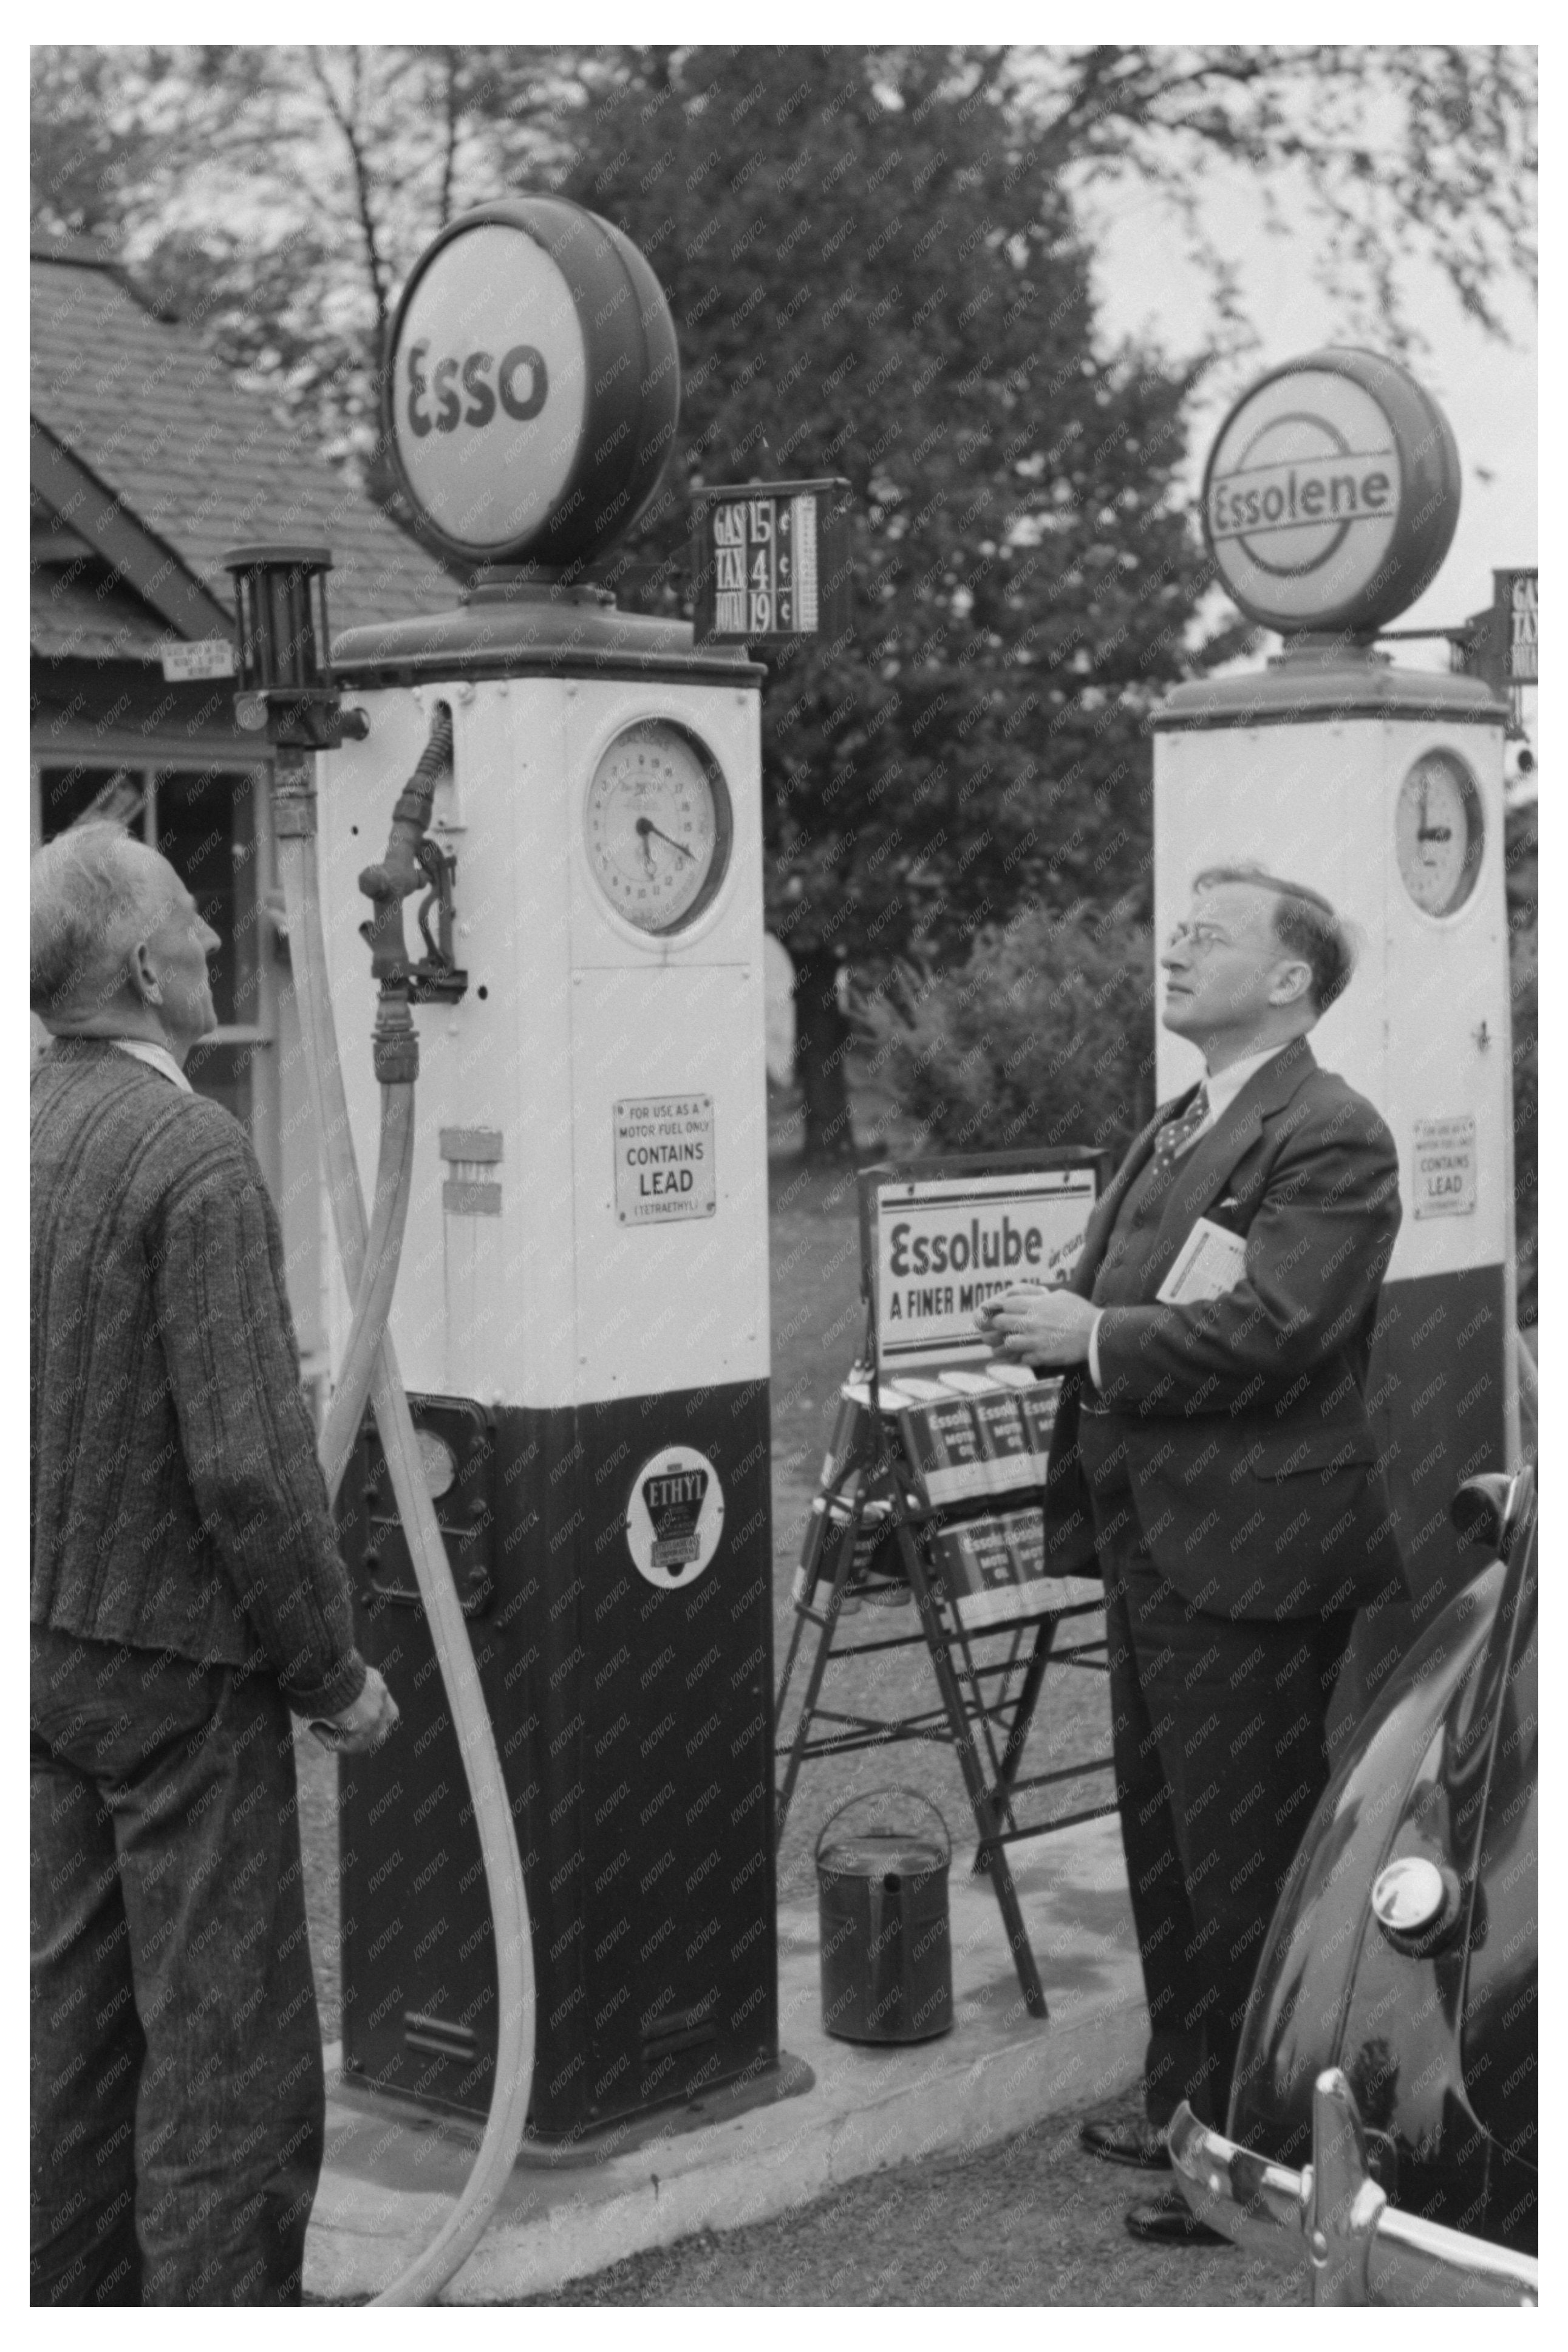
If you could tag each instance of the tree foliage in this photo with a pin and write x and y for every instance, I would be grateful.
(1381, 152)
(1043, 1034)
(868, 282)
(1386, 153)
(878, 268)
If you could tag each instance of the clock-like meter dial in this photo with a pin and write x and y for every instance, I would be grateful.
(658, 826)
(1438, 833)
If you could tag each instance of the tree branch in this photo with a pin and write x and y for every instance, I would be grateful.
(348, 128)
(449, 153)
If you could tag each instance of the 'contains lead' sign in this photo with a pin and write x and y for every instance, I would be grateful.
(1331, 494)
(535, 387)
(1443, 1167)
(664, 1159)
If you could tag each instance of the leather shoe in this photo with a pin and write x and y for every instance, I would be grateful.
(1167, 2220)
(1126, 2139)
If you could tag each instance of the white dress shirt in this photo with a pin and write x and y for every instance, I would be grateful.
(1221, 1088)
(157, 1057)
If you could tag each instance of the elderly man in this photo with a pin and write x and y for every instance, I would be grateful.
(187, 1593)
(1213, 1451)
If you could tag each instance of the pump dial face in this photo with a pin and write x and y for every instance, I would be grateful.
(1438, 833)
(658, 825)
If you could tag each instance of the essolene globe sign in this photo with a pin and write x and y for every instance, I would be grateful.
(534, 388)
(1331, 494)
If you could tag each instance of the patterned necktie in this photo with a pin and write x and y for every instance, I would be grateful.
(1177, 1133)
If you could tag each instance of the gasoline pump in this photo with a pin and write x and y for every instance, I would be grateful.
(543, 817)
(1330, 499)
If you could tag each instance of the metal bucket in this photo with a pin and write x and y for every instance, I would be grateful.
(887, 1953)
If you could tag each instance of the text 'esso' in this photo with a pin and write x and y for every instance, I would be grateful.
(522, 386)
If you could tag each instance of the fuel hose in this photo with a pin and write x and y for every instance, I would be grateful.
(370, 1267)
(378, 1279)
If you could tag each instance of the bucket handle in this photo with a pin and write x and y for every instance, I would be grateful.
(900, 1788)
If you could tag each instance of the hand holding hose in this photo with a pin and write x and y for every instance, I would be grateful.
(364, 1724)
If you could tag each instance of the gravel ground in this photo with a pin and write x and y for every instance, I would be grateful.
(1032, 2221)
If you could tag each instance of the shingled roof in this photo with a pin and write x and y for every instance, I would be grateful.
(146, 445)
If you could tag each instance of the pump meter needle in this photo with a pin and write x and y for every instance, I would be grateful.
(646, 825)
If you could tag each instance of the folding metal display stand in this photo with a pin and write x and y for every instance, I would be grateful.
(863, 1512)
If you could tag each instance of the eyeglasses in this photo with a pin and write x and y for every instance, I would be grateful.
(1197, 939)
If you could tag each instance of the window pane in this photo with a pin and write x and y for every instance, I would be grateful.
(207, 830)
(68, 793)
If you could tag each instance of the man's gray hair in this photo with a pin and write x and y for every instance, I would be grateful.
(96, 894)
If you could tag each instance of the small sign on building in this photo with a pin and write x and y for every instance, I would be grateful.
(1443, 1167)
(771, 560)
(206, 657)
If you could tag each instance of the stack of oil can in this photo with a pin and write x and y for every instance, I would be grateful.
(968, 1459)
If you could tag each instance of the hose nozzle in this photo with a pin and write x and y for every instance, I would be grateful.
(399, 874)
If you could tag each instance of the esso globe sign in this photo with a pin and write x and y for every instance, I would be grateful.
(534, 385)
(492, 379)
(1331, 494)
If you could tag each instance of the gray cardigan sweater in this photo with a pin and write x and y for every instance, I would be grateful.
(177, 1503)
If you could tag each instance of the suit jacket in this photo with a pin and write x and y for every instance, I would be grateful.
(1251, 1456)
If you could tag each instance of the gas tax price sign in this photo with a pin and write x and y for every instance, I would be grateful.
(1504, 643)
(1331, 494)
(937, 1244)
(771, 560)
(1517, 603)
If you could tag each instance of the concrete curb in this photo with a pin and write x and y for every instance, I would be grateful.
(390, 2176)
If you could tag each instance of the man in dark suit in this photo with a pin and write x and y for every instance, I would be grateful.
(1213, 1452)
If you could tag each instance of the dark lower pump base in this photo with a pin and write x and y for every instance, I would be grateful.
(760, 2087)
(634, 1724)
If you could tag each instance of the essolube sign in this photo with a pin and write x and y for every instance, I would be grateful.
(1332, 493)
(534, 386)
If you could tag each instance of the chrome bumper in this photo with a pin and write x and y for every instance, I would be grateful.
(1333, 2217)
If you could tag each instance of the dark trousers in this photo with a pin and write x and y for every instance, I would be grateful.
(1217, 1730)
(177, 2093)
